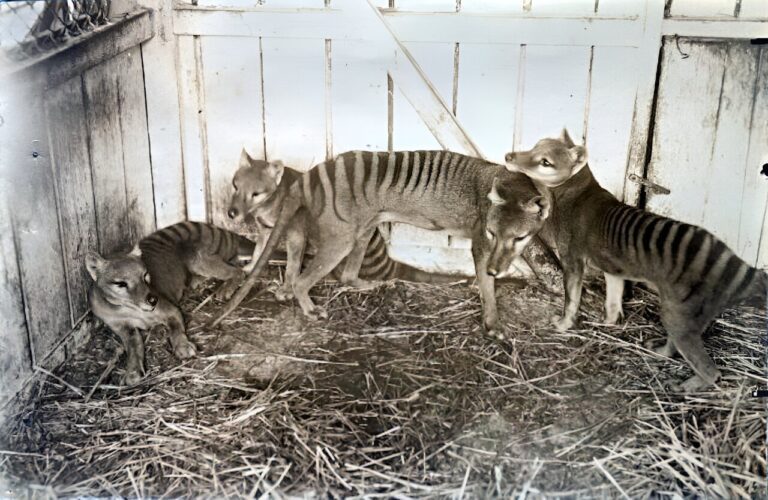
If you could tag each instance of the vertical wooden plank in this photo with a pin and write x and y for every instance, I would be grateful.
(233, 101)
(72, 172)
(609, 125)
(135, 141)
(36, 226)
(359, 96)
(488, 76)
(753, 237)
(15, 357)
(162, 96)
(647, 60)
(753, 9)
(699, 8)
(105, 147)
(437, 63)
(294, 100)
(192, 117)
(555, 92)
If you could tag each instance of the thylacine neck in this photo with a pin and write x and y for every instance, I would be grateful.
(575, 186)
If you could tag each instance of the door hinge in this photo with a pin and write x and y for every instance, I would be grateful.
(651, 186)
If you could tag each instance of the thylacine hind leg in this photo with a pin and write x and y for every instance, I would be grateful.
(685, 335)
(614, 291)
(213, 266)
(573, 271)
(353, 262)
(329, 254)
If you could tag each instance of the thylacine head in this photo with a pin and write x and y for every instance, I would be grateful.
(512, 219)
(123, 281)
(551, 161)
(253, 185)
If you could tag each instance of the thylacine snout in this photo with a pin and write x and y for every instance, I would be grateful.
(253, 185)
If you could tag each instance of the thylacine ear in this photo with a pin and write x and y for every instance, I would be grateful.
(245, 159)
(494, 195)
(538, 205)
(578, 156)
(566, 138)
(135, 251)
(94, 263)
(277, 168)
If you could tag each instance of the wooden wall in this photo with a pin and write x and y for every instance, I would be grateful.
(76, 176)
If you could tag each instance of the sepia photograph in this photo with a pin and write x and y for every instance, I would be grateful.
(428, 249)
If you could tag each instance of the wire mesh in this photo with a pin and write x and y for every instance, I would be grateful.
(31, 27)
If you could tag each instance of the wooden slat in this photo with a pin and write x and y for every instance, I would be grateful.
(753, 9)
(492, 6)
(702, 8)
(609, 122)
(563, 8)
(294, 101)
(486, 103)
(620, 8)
(753, 237)
(192, 108)
(707, 28)
(106, 150)
(554, 93)
(710, 171)
(135, 141)
(426, 5)
(408, 27)
(436, 61)
(35, 219)
(72, 172)
(359, 96)
(162, 97)
(233, 109)
(15, 357)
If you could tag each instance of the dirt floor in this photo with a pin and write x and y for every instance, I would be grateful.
(398, 394)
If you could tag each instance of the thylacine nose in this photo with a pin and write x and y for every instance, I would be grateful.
(232, 213)
(151, 299)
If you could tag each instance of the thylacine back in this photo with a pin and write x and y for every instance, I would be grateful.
(342, 201)
(252, 203)
(141, 290)
(696, 274)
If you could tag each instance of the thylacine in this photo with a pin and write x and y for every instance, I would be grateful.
(696, 274)
(253, 202)
(340, 203)
(141, 290)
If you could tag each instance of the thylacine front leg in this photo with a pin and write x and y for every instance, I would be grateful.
(177, 335)
(133, 343)
(353, 262)
(573, 277)
(295, 244)
(487, 285)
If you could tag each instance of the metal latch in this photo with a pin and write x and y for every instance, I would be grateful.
(651, 186)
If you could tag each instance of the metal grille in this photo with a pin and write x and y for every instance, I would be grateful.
(31, 27)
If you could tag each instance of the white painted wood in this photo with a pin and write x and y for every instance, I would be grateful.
(555, 93)
(192, 109)
(162, 100)
(492, 6)
(135, 142)
(620, 8)
(15, 358)
(69, 137)
(294, 101)
(702, 8)
(709, 170)
(409, 130)
(358, 96)
(426, 5)
(345, 23)
(488, 76)
(715, 28)
(106, 150)
(233, 110)
(753, 9)
(609, 124)
(435, 259)
(563, 8)
(753, 233)
(647, 60)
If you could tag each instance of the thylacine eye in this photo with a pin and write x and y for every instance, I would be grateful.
(489, 234)
(120, 284)
(234, 185)
(254, 195)
(518, 239)
(545, 163)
